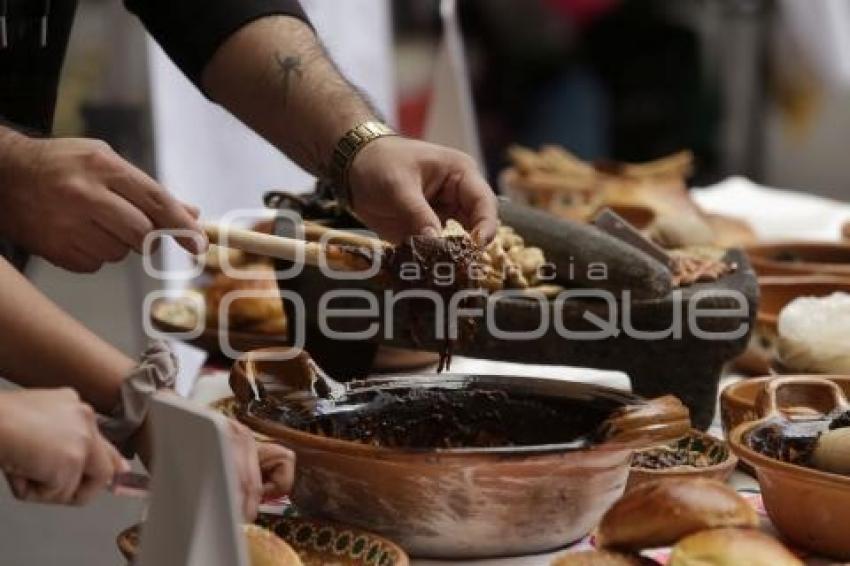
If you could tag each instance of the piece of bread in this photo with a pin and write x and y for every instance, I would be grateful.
(660, 513)
(731, 547)
(267, 549)
(602, 558)
(272, 327)
(246, 310)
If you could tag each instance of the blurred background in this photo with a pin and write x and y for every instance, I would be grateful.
(756, 88)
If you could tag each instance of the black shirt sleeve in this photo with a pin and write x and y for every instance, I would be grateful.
(191, 31)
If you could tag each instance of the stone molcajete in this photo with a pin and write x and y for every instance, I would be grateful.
(686, 364)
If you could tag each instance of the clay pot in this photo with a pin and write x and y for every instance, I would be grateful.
(464, 502)
(808, 507)
(777, 292)
(723, 462)
(738, 401)
(801, 258)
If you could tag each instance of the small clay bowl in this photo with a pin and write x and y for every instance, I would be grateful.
(738, 401)
(721, 461)
(776, 292)
(801, 258)
(808, 507)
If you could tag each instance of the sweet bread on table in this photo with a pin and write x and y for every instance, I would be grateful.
(662, 512)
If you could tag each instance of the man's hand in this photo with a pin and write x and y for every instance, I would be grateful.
(50, 448)
(274, 75)
(263, 469)
(402, 187)
(78, 204)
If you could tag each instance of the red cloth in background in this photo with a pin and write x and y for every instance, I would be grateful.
(582, 12)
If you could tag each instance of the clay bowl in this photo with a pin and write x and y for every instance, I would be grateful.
(460, 502)
(738, 401)
(776, 292)
(808, 507)
(801, 258)
(721, 460)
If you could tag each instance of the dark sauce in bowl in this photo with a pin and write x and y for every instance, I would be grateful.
(793, 441)
(438, 418)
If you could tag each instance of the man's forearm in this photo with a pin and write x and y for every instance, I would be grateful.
(12, 145)
(41, 346)
(274, 75)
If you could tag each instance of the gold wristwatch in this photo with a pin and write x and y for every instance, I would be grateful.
(346, 150)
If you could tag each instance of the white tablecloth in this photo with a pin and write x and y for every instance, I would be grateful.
(775, 214)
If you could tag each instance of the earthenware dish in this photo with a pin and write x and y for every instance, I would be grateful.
(801, 258)
(318, 543)
(721, 461)
(809, 507)
(775, 293)
(738, 400)
(463, 502)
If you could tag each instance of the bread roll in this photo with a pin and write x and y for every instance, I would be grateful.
(602, 558)
(731, 547)
(662, 512)
(246, 310)
(272, 327)
(267, 549)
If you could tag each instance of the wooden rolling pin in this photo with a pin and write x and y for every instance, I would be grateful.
(289, 249)
(314, 231)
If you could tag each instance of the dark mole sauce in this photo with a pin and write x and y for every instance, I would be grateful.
(794, 442)
(425, 254)
(450, 418)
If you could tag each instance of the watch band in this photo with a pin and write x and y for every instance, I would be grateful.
(346, 150)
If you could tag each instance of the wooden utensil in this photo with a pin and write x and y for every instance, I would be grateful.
(314, 231)
(299, 251)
